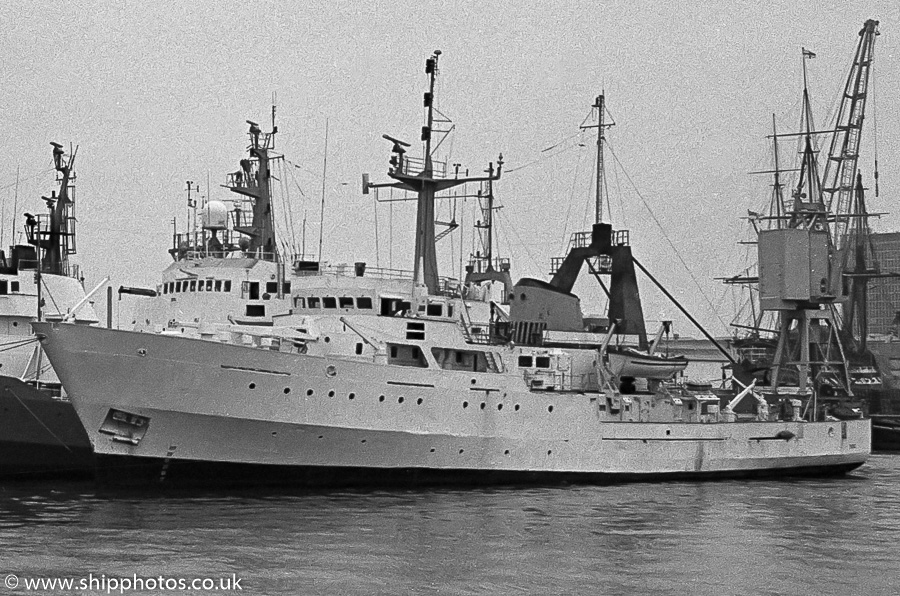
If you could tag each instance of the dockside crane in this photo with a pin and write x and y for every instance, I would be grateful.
(843, 190)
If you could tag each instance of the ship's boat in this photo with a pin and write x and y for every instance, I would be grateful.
(631, 362)
(375, 379)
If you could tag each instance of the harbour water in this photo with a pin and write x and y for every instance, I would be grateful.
(815, 536)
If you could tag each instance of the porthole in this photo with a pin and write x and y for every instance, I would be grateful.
(473, 381)
(419, 401)
(499, 406)
(465, 404)
(252, 385)
(330, 370)
(363, 441)
(668, 432)
(461, 450)
(351, 396)
(327, 339)
(549, 452)
(287, 390)
(549, 408)
(274, 433)
(331, 393)
(516, 408)
(309, 392)
(432, 450)
(380, 398)
(400, 400)
(506, 452)
(321, 437)
(482, 405)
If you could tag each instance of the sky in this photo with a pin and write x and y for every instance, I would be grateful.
(155, 94)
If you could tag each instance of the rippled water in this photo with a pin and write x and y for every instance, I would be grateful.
(818, 537)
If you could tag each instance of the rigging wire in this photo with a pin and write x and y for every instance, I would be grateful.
(523, 245)
(668, 240)
(377, 247)
(542, 157)
(391, 231)
(26, 178)
(288, 207)
(571, 199)
(872, 78)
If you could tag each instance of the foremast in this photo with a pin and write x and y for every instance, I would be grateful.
(253, 181)
(252, 224)
(53, 233)
(424, 179)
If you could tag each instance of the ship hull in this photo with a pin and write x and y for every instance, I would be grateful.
(165, 410)
(147, 472)
(41, 437)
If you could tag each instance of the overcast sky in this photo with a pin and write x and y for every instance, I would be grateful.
(157, 93)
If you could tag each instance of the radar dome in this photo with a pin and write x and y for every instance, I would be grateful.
(215, 216)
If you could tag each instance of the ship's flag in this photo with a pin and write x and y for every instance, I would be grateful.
(808, 54)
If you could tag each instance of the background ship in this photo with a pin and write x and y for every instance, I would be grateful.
(40, 435)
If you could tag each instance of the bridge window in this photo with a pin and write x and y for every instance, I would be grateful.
(4, 287)
(364, 302)
(542, 361)
(526, 361)
(218, 285)
(435, 310)
(272, 287)
(227, 285)
(315, 302)
(209, 285)
(329, 302)
(345, 302)
(299, 302)
(193, 285)
(391, 307)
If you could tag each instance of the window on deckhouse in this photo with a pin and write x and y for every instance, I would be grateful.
(406, 355)
(468, 360)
